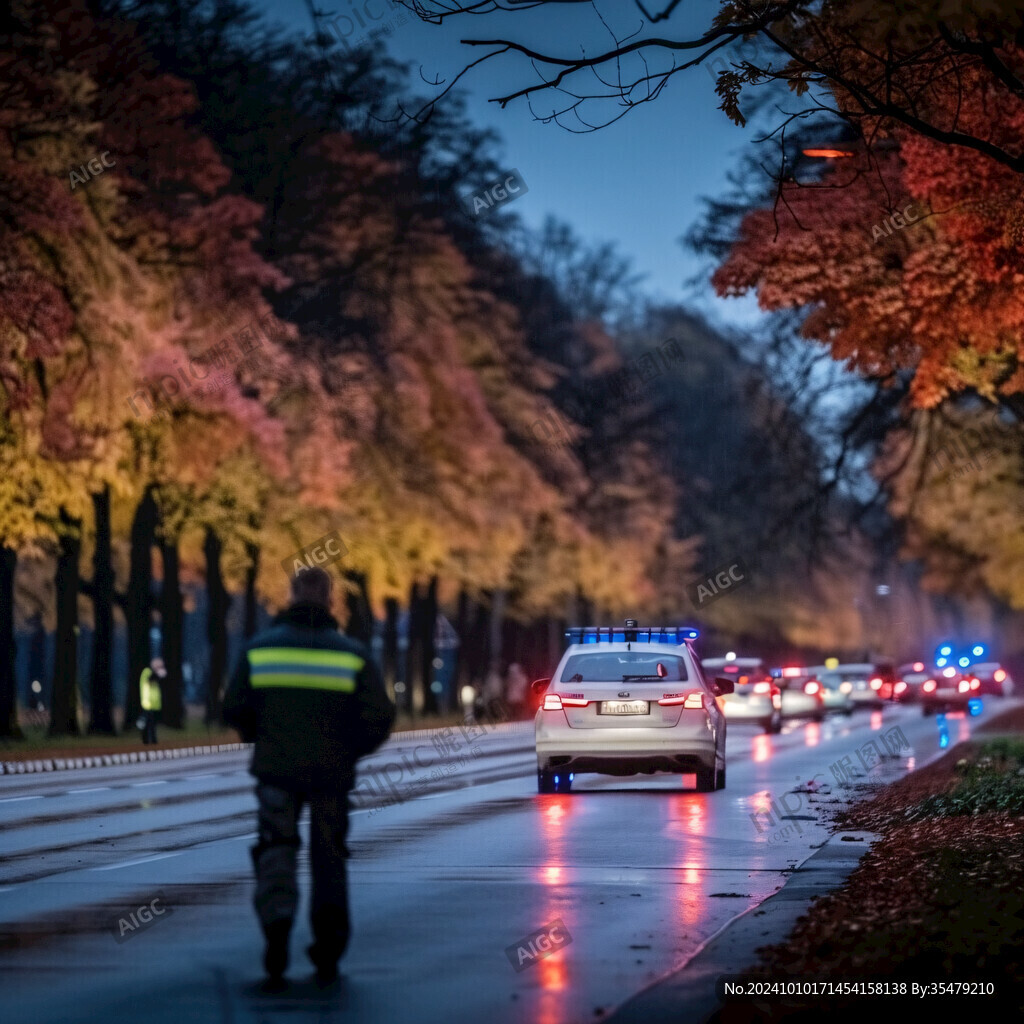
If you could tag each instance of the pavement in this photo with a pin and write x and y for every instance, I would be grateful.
(455, 861)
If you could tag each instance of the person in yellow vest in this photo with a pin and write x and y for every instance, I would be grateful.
(149, 692)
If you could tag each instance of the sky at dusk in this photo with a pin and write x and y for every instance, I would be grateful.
(638, 181)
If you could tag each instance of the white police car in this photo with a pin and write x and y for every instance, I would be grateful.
(630, 700)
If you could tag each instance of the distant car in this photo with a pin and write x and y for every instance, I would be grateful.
(835, 690)
(995, 680)
(803, 695)
(948, 690)
(756, 696)
(870, 685)
(912, 676)
(630, 700)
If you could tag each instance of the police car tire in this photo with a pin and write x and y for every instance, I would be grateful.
(545, 782)
(721, 778)
(707, 780)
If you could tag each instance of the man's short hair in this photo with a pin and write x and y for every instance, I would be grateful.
(312, 586)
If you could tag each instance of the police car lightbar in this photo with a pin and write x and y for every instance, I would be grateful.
(632, 633)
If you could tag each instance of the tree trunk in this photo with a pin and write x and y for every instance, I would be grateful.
(414, 652)
(460, 675)
(251, 606)
(138, 601)
(360, 618)
(495, 652)
(172, 615)
(101, 708)
(428, 650)
(389, 665)
(9, 728)
(218, 602)
(64, 709)
(476, 661)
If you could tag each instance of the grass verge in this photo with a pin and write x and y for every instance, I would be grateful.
(938, 899)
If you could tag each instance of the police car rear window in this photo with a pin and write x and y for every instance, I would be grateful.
(610, 667)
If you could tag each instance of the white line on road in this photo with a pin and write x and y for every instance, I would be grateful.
(18, 799)
(158, 782)
(132, 863)
(93, 789)
(193, 778)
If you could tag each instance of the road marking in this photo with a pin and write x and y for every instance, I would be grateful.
(18, 799)
(193, 778)
(132, 863)
(139, 785)
(94, 789)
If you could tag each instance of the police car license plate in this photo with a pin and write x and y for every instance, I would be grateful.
(624, 707)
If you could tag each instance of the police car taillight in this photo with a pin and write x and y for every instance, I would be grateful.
(811, 688)
(762, 687)
(556, 702)
(694, 701)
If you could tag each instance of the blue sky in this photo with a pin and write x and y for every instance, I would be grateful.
(637, 182)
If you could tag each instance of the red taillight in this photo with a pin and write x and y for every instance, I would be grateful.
(929, 686)
(975, 684)
(918, 666)
(876, 683)
(900, 686)
(999, 675)
(793, 671)
(811, 687)
(963, 686)
(694, 701)
(557, 701)
(762, 687)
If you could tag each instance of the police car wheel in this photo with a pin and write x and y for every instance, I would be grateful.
(707, 781)
(545, 782)
(721, 778)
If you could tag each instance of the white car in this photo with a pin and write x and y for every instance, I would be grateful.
(756, 697)
(630, 700)
(834, 689)
(803, 695)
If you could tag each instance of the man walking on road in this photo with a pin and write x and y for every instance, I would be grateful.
(313, 702)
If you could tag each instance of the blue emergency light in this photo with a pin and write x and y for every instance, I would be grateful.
(632, 633)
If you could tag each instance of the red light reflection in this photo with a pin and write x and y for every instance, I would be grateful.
(762, 747)
(876, 719)
(812, 734)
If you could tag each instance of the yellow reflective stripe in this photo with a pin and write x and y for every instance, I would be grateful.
(305, 656)
(339, 684)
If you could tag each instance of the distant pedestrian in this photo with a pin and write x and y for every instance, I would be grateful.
(150, 694)
(313, 702)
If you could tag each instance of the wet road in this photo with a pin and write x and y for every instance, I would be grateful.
(464, 862)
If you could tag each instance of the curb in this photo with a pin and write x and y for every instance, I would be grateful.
(59, 764)
(689, 992)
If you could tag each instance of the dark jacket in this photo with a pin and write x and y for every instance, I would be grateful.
(311, 699)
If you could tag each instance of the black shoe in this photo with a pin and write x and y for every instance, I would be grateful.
(275, 957)
(326, 964)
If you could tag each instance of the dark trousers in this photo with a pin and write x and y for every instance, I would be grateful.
(149, 728)
(276, 853)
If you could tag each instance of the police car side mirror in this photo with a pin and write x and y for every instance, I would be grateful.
(723, 686)
(538, 686)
